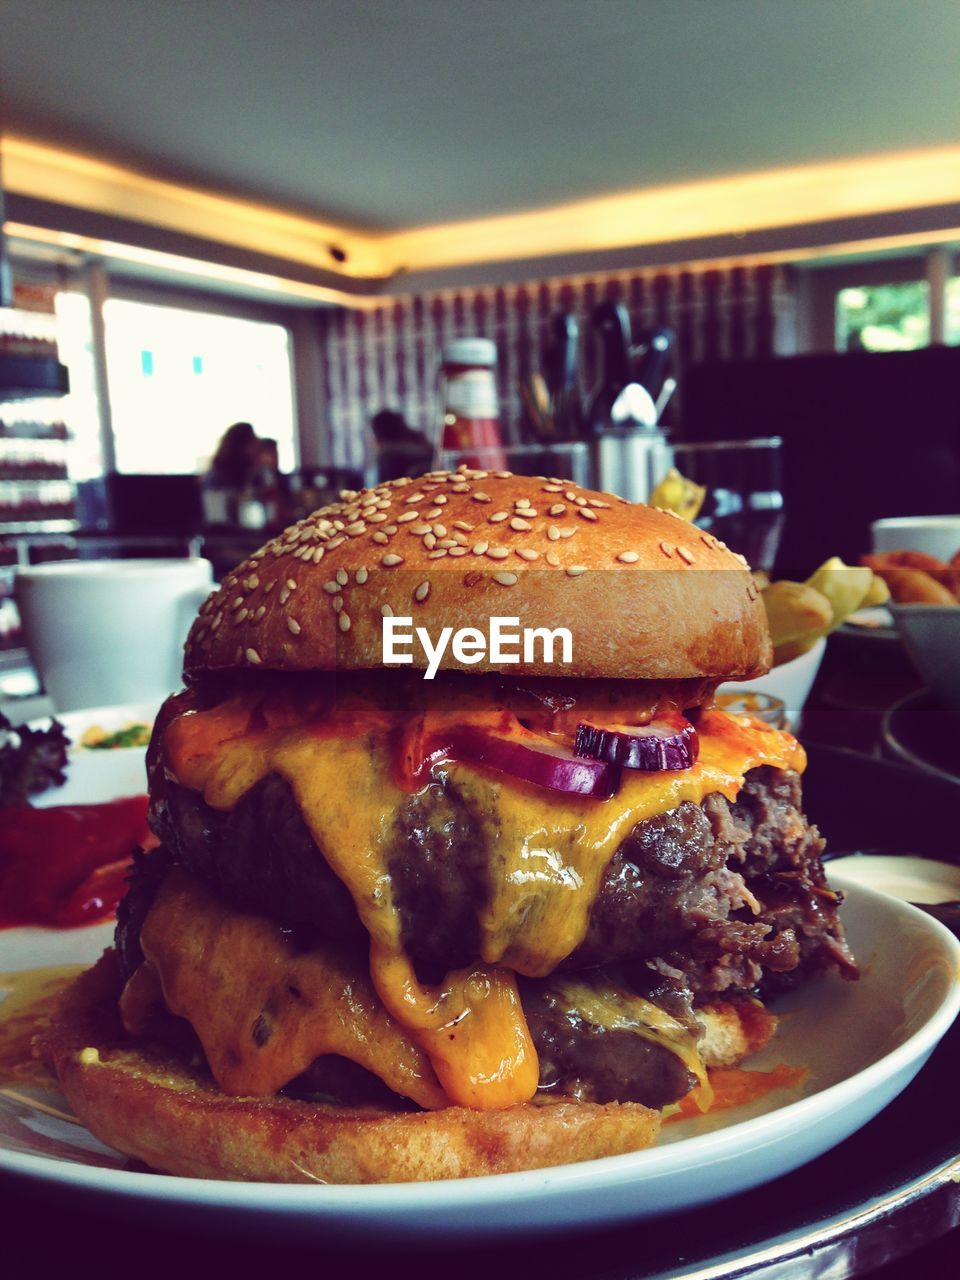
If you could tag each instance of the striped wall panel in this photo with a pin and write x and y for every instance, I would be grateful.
(389, 357)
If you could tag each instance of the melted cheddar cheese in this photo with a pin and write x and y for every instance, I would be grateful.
(546, 855)
(263, 1012)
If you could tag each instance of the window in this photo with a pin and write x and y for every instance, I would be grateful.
(952, 307)
(885, 317)
(179, 378)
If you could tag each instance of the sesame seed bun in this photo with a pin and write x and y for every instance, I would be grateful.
(151, 1103)
(644, 594)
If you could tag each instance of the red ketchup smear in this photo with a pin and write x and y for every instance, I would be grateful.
(67, 865)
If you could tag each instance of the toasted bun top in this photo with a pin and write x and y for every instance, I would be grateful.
(644, 594)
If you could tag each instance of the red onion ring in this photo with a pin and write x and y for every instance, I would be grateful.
(662, 744)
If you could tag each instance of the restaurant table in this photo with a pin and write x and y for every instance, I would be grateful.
(886, 1202)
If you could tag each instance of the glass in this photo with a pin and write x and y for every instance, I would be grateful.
(744, 502)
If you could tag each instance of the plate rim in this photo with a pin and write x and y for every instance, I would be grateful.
(526, 1184)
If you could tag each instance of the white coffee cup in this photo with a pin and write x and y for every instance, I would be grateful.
(102, 632)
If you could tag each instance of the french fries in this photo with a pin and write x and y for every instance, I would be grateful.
(799, 613)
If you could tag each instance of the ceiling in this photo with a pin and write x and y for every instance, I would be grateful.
(386, 114)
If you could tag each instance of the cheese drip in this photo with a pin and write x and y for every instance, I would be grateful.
(263, 1012)
(472, 1027)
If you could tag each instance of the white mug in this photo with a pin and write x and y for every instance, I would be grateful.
(102, 632)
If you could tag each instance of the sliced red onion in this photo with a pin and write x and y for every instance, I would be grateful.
(662, 744)
(552, 765)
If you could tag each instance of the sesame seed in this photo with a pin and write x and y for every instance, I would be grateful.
(459, 551)
(628, 557)
(666, 548)
(419, 529)
(407, 516)
(505, 579)
(433, 513)
(260, 612)
(429, 541)
(459, 488)
(522, 502)
(331, 587)
(337, 603)
(520, 526)
(317, 555)
(236, 603)
(575, 570)
(377, 518)
(570, 495)
(438, 554)
(528, 553)
(252, 582)
(390, 529)
(447, 542)
(290, 584)
(685, 555)
(499, 516)
(479, 548)
(284, 596)
(357, 527)
(362, 576)
(558, 509)
(552, 558)
(741, 558)
(386, 611)
(422, 591)
(498, 553)
(553, 488)
(595, 502)
(241, 615)
(479, 496)
(462, 524)
(567, 533)
(389, 561)
(253, 656)
(553, 533)
(587, 513)
(342, 577)
(414, 497)
(334, 542)
(379, 537)
(343, 622)
(293, 626)
(440, 499)
(440, 530)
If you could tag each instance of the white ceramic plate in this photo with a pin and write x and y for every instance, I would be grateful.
(904, 876)
(96, 776)
(862, 1042)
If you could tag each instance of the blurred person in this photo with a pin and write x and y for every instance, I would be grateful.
(401, 451)
(231, 474)
(270, 486)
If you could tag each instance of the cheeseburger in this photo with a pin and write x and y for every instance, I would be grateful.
(459, 869)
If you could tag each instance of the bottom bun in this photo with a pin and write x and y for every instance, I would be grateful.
(149, 1103)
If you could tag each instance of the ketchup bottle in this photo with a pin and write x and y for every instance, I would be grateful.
(470, 421)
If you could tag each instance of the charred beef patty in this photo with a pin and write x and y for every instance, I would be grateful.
(729, 896)
(703, 899)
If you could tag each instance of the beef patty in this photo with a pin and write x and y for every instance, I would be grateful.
(728, 896)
